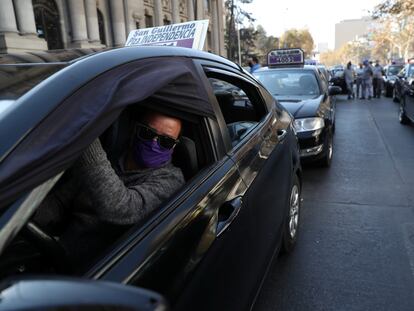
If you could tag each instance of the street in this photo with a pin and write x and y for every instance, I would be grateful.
(355, 248)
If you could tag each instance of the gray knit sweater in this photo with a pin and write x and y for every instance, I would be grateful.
(97, 200)
(124, 197)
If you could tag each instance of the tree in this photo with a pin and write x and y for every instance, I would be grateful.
(235, 16)
(397, 31)
(264, 43)
(294, 38)
(394, 7)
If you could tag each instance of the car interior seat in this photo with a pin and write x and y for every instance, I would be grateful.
(226, 103)
(185, 157)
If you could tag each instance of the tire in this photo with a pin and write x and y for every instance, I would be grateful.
(394, 96)
(291, 224)
(403, 117)
(328, 149)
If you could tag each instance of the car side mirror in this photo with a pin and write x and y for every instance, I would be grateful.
(73, 294)
(334, 90)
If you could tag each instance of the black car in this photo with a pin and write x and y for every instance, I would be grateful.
(406, 94)
(390, 75)
(338, 79)
(305, 93)
(207, 247)
(402, 81)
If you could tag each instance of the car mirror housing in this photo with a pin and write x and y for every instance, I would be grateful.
(71, 294)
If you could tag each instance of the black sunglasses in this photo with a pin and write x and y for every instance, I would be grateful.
(146, 133)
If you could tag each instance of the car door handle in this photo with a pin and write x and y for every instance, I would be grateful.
(281, 134)
(227, 213)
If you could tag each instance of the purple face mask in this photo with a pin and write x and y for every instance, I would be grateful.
(150, 154)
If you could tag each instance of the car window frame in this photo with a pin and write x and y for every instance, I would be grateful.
(257, 128)
(17, 215)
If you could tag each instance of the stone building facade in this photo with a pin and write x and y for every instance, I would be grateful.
(30, 25)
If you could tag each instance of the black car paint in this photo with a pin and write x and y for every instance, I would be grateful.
(183, 251)
(322, 106)
(404, 93)
(402, 81)
(389, 79)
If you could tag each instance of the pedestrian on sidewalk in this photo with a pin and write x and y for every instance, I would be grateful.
(377, 79)
(359, 72)
(349, 76)
(366, 81)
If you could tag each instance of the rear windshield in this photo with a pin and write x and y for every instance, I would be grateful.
(17, 79)
(289, 82)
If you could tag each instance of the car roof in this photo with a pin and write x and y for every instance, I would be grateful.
(30, 108)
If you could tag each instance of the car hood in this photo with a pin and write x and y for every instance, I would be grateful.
(302, 108)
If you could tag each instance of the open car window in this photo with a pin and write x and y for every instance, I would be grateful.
(240, 104)
(49, 234)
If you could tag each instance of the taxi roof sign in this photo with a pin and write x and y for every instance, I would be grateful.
(285, 57)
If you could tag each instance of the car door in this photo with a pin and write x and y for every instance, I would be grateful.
(189, 248)
(264, 160)
(409, 93)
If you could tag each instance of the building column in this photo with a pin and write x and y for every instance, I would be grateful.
(190, 10)
(200, 9)
(118, 22)
(175, 11)
(25, 16)
(221, 27)
(216, 33)
(78, 23)
(92, 21)
(158, 13)
(10, 40)
(7, 17)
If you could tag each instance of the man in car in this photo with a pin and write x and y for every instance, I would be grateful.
(104, 199)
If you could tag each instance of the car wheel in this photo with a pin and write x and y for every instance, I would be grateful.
(328, 149)
(394, 96)
(403, 117)
(291, 225)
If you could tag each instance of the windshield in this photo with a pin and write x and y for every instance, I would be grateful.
(394, 70)
(289, 82)
(17, 79)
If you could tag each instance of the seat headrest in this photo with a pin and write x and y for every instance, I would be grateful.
(185, 157)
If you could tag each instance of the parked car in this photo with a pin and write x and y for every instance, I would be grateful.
(402, 80)
(305, 93)
(208, 247)
(389, 77)
(324, 71)
(338, 79)
(406, 94)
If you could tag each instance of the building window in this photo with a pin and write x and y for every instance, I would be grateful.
(47, 21)
(137, 25)
(166, 21)
(101, 25)
(148, 21)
